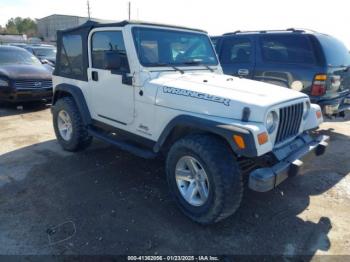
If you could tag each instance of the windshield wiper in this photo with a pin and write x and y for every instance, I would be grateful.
(174, 67)
(194, 62)
(177, 69)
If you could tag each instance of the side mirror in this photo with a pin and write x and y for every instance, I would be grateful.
(112, 60)
(44, 61)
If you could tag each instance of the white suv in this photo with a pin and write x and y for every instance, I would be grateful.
(154, 89)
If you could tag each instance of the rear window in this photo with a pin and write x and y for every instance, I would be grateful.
(71, 64)
(288, 49)
(335, 51)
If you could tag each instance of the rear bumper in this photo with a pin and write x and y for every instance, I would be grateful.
(290, 159)
(26, 95)
(336, 105)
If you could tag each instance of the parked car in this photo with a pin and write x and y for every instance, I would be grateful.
(17, 44)
(23, 77)
(154, 89)
(307, 61)
(45, 53)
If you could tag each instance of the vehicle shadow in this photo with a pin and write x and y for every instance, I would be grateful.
(338, 119)
(105, 201)
(10, 109)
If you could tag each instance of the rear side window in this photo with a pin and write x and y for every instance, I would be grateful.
(335, 51)
(71, 58)
(236, 51)
(288, 49)
(108, 41)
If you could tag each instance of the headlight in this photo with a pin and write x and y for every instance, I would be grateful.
(306, 109)
(271, 121)
(4, 82)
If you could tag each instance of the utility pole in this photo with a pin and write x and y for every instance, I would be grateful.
(129, 10)
(88, 9)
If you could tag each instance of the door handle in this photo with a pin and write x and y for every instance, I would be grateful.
(94, 75)
(243, 72)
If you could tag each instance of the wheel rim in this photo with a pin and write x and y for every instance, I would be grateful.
(64, 124)
(192, 181)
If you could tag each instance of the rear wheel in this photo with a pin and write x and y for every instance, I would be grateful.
(204, 178)
(69, 128)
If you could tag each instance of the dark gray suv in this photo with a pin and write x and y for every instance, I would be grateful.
(307, 61)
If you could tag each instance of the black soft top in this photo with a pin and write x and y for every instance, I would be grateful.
(83, 31)
(91, 24)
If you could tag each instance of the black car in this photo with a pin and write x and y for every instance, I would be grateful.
(44, 53)
(23, 77)
(307, 61)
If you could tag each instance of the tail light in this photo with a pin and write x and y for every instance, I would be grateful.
(318, 87)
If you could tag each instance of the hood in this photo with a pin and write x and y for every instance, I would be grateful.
(220, 95)
(50, 58)
(19, 71)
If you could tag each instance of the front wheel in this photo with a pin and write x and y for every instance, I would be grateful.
(204, 178)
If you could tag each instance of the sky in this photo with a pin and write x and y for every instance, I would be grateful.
(216, 17)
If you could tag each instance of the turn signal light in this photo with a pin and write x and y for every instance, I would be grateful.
(239, 141)
(320, 77)
(318, 114)
(263, 138)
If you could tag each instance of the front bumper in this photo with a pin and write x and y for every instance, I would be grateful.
(27, 95)
(289, 160)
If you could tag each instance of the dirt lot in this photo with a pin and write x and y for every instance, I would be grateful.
(105, 201)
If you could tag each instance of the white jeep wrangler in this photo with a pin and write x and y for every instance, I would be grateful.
(154, 89)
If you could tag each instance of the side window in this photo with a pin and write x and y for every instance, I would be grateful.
(236, 51)
(71, 56)
(108, 41)
(290, 49)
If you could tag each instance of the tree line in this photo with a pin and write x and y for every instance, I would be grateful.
(20, 25)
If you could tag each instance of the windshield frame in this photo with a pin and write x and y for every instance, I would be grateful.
(170, 29)
(35, 60)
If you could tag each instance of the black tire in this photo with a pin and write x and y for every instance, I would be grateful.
(80, 138)
(223, 172)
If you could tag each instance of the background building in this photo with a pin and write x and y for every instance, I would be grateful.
(48, 26)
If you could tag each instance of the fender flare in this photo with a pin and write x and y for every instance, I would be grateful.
(223, 130)
(78, 97)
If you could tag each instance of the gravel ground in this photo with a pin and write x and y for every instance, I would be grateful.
(105, 201)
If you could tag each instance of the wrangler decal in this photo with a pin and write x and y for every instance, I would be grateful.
(194, 94)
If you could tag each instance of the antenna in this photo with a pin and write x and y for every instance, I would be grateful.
(88, 9)
(129, 9)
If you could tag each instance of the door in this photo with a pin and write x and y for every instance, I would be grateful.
(111, 99)
(237, 56)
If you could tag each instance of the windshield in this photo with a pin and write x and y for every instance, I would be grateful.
(336, 52)
(45, 52)
(17, 57)
(161, 47)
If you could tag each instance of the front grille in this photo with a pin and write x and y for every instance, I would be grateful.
(290, 119)
(32, 84)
